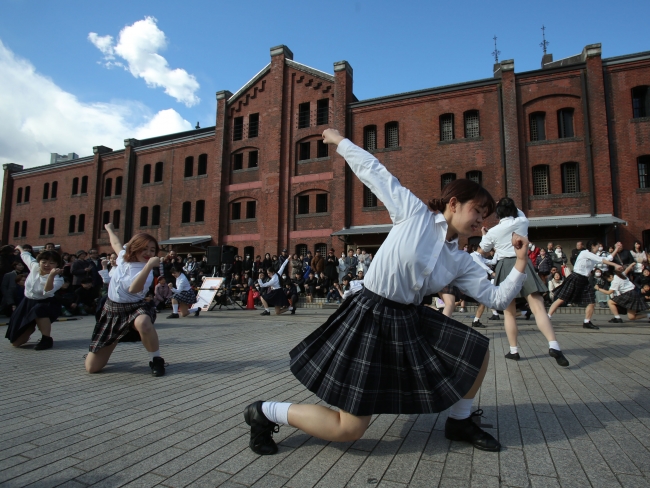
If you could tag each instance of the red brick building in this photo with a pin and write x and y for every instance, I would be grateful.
(570, 142)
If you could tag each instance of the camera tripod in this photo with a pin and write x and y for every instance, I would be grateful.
(225, 298)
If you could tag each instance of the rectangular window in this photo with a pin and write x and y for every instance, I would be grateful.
(322, 150)
(72, 225)
(23, 230)
(305, 151)
(570, 180)
(447, 178)
(108, 187)
(144, 216)
(641, 101)
(303, 115)
(252, 159)
(199, 216)
(19, 197)
(146, 174)
(75, 187)
(155, 215)
(106, 218)
(471, 124)
(46, 191)
(17, 229)
(55, 188)
(158, 176)
(238, 129)
(238, 161)
(565, 123)
(253, 125)
(118, 185)
(643, 165)
(369, 198)
(203, 165)
(447, 127)
(370, 137)
(43, 226)
(321, 203)
(27, 191)
(537, 127)
(540, 180)
(236, 211)
(392, 134)
(84, 184)
(50, 227)
(81, 225)
(189, 167)
(116, 219)
(251, 209)
(186, 213)
(322, 111)
(303, 204)
(475, 176)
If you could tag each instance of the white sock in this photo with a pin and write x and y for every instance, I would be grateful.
(617, 316)
(267, 310)
(554, 345)
(494, 312)
(155, 354)
(549, 316)
(277, 412)
(514, 349)
(523, 313)
(290, 308)
(476, 319)
(194, 310)
(587, 321)
(175, 307)
(461, 409)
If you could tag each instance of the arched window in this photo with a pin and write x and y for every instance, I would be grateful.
(238, 161)
(118, 186)
(541, 185)
(144, 216)
(106, 218)
(189, 166)
(391, 130)
(23, 230)
(471, 124)
(50, 226)
(251, 209)
(302, 204)
(203, 165)
(81, 224)
(304, 151)
(27, 192)
(158, 176)
(475, 176)
(17, 229)
(19, 196)
(43, 226)
(253, 159)
(155, 215)
(537, 122)
(370, 137)
(116, 219)
(187, 212)
(565, 123)
(84, 184)
(199, 211)
(321, 202)
(643, 168)
(447, 178)
(55, 189)
(640, 101)
(447, 127)
(108, 187)
(321, 248)
(146, 174)
(46, 191)
(72, 225)
(301, 250)
(570, 178)
(235, 211)
(75, 186)
(369, 198)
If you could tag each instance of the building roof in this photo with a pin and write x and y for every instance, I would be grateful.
(191, 240)
(358, 230)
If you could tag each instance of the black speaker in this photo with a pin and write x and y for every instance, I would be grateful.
(214, 256)
(228, 254)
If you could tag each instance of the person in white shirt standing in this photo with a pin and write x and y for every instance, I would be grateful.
(498, 237)
(182, 296)
(126, 316)
(39, 308)
(625, 294)
(381, 351)
(276, 296)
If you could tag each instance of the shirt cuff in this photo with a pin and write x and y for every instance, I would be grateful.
(343, 145)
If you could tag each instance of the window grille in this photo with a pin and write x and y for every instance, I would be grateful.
(16, 229)
(392, 134)
(19, 197)
(370, 137)
(27, 191)
(116, 219)
(186, 214)
(189, 166)
(236, 211)
(23, 231)
(253, 159)
(158, 176)
(251, 209)
(118, 186)
(238, 129)
(84, 184)
(321, 203)
(72, 225)
(321, 248)
(303, 115)
(81, 224)
(475, 176)
(447, 178)
(46, 191)
(641, 101)
(303, 204)
(301, 250)
(75, 186)
(203, 165)
(565, 123)
(106, 218)
(144, 216)
(43, 225)
(447, 127)
(50, 226)
(108, 187)
(238, 161)
(540, 180)
(253, 125)
(146, 174)
(537, 126)
(643, 165)
(322, 111)
(305, 151)
(369, 198)
(155, 215)
(322, 149)
(199, 215)
(570, 180)
(471, 124)
(54, 189)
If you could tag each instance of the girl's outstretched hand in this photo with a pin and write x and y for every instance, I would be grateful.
(109, 227)
(332, 136)
(520, 244)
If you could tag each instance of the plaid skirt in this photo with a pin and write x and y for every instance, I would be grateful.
(115, 323)
(452, 290)
(186, 296)
(27, 312)
(533, 283)
(276, 298)
(631, 300)
(372, 358)
(576, 290)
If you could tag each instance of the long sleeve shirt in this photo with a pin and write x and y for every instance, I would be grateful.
(35, 282)
(482, 261)
(121, 278)
(416, 260)
(274, 282)
(621, 286)
(499, 237)
(586, 261)
(182, 284)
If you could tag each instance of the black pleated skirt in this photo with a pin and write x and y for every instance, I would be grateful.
(27, 312)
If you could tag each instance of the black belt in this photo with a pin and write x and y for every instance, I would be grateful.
(385, 301)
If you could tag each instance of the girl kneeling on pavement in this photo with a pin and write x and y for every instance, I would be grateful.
(182, 296)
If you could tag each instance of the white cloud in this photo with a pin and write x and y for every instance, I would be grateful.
(139, 45)
(37, 118)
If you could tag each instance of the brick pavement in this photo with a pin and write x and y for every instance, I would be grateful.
(587, 425)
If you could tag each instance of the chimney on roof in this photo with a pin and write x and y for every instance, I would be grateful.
(546, 59)
(60, 158)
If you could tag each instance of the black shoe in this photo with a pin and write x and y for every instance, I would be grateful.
(478, 324)
(467, 430)
(293, 311)
(559, 357)
(157, 366)
(196, 314)
(615, 321)
(494, 317)
(172, 316)
(262, 430)
(265, 312)
(514, 356)
(589, 325)
(46, 342)
(528, 314)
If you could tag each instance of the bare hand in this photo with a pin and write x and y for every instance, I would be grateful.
(109, 227)
(484, 230)
(154, 261)
(618, 267)
(332, 136)
(520, 244)
(89, 268)
(55, 271)
(619, 246)
(170, 286)
(596, 287)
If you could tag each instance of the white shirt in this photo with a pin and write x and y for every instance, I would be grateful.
(121, 278)
(182, 284)
(274, 282)
(482, 261)
(35, 282)
(499, 237)
(620, 286)
(586, 261)
(415, 260)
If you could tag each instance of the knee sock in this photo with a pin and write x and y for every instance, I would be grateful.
(276, 412)
(554, 345)
(175, 307)
(461, 409)
(514, 349)
(155, 354)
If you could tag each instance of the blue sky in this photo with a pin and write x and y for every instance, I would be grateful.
(167, 59)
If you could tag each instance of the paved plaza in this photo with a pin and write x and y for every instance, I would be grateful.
(586, 425)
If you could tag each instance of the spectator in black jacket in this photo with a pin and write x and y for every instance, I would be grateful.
(84, 298)
(574, 254)
(322, 285)
(299, 283)
(544, 264)
(558, 257)
(310, 286)
(643, 279)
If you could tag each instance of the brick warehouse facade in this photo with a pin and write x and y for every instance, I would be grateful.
(570, 142)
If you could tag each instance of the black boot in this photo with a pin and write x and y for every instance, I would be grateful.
(262, 430)
(467, 430)
(46, 342)
(157, 366)
(559, 357)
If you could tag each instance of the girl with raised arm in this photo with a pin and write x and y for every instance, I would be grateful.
(381, 352)
(126, 317)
